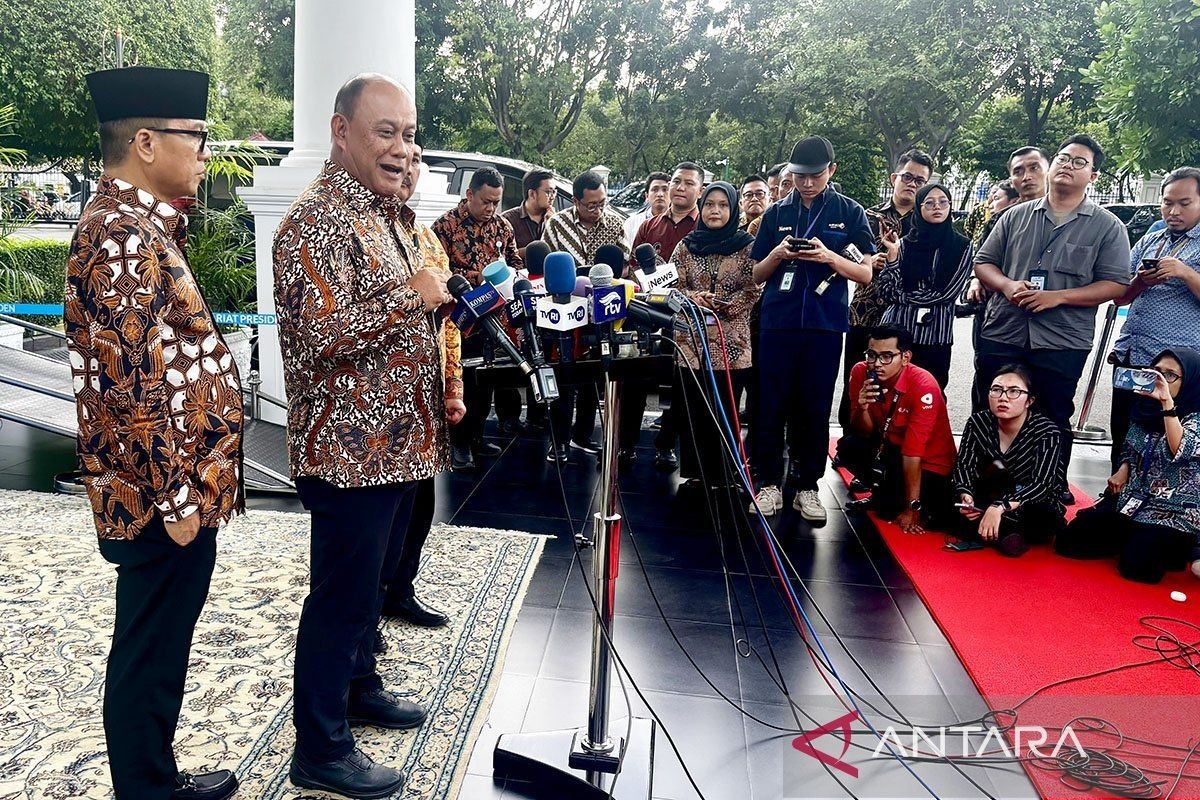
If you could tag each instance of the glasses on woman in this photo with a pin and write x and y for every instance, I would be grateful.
(1170, 375)
(935, 205)
(885, 358)
(1011, 392)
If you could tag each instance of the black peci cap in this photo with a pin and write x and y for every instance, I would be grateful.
(149, 92)
(811, 155)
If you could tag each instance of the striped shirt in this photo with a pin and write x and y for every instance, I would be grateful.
(563, 232)
(1032, 458)
(904, 306)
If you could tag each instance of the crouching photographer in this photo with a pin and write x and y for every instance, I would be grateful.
(899, 444)
(1008, 470)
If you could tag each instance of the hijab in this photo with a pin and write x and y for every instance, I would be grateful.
(1147, 412)
(925, 241)
(725, 241)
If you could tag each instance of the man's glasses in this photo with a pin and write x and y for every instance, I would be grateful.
(913, 180)
(1078, 162)
(202, 136)
(593, 207)
(1011, 392)
(934, 205)
(885, 358)
(758, 195)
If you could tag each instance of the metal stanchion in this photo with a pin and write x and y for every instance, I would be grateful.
(1082, 431)
(588, 763)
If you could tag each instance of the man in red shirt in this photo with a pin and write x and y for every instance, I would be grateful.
(896, 399)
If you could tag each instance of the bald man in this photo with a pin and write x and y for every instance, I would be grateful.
(366, 417)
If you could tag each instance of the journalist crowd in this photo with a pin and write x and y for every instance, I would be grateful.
(798, 287)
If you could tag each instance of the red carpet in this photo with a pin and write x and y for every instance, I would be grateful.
(1019, 624)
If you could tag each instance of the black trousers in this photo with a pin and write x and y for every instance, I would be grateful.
(579, 403)
(399, 586)
(797, 373)
(979, 398)
(1144, 552)
(857, 454)
(633, 407)
(478, 396)
(936, 359)
(357, 537)
(161, 588)
(1034, 523)
(702, 442)
(1055, 376)
(856, 344)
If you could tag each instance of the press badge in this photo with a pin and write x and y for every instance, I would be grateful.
(786, 284)
(1038, 278)
(1131, 506)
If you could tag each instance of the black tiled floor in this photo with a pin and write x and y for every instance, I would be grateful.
(848, 571)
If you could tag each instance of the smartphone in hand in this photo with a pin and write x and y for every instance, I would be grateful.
(1139, 381)
(796, 244)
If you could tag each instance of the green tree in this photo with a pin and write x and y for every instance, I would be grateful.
(1000, 127)
(1148, 76)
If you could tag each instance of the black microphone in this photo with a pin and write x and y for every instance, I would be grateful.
(523, 294)
(541, 380)
(535, 257)
(613, 256)
(647, 257)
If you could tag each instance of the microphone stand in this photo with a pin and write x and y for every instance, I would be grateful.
(592, 757)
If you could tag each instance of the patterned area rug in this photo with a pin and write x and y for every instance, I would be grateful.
(56, 613)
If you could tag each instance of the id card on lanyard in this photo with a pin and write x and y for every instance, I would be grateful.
(814, 216)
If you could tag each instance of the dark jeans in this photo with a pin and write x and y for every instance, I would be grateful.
(1144, 552)
(581, 403)
(1055, 376)
(702, 441)
(399, 587)
(857, 454)
(856, 344)
(936, 359)
(796, 379)
(161, 588)
(478, 397)
(357, 537)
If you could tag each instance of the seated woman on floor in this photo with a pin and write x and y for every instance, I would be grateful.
(1008, 473)
(1151, 519)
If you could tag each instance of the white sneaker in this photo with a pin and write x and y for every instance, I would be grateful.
(769, 501)
(808, 503)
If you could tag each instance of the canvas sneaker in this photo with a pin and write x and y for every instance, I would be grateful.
(808, 503)
(769, 500)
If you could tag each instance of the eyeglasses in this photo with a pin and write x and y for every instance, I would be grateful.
(885, 358)
(933, 205)
(1011, 392)
(759, 195)
(913, 180)
(1170, 376)
(201, 135)
(1078, 162)
(593, 207)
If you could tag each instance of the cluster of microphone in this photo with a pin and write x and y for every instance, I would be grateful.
(560, 308)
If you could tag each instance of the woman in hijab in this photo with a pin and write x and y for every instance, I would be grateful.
(1154, 523)
(716, 272)
(925, 272)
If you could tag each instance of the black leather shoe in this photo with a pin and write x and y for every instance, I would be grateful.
(512, 427)
(858, 487)
(356, 776)
(858, 506)
(205, 785)
(381, 646)
(414, 611)
(534, 425)
(589, 446)
(558, 454)
(1067, 497)
(626, 457)
(665, 460)
(1013, 545)
(486, 449)
(461, 459)
(383, 709)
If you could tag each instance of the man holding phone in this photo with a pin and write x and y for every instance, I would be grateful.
(1164, 295)
(1050, 263)
(799, 246)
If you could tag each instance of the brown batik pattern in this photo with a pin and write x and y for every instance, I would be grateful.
(361, 357)
(866, 308)
(157, 392)
(472, 245)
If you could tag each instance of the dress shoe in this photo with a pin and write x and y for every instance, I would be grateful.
(858, 487)
(461, 459)
(589, 446)
(665, 460)
(557, 454)
(205, 785)
(534, 425)
(860, 506)
(626, 457)
(486, 449)
(380, 646)
(355, 775)
(1067, 497)
(1013, 545)
(414, 611)
(384, 709)
(511, 427)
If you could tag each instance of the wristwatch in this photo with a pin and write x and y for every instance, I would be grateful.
(1170, 412)
(915, 505)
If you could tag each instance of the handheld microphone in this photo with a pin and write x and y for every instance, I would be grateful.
(650, 274)
(583, 287)
(560, 311)
(499, 275)
(535, 260)
(613, 257)
(608, 305)
(849, 251)
(522, 295)
(461, 290)
(473, 304)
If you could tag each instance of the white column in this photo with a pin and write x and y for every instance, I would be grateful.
(334, 41)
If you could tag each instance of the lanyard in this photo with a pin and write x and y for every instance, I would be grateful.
(1053, 237)
(1174, 251)
(814, 216)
